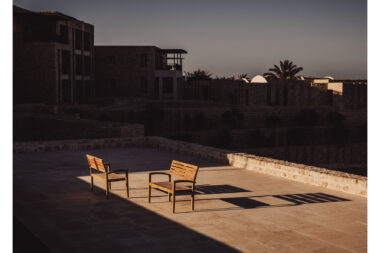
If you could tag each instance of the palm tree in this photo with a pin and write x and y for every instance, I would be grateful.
(286, 71)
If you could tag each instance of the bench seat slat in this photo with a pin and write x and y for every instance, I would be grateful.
(111, 177)
(168, 186)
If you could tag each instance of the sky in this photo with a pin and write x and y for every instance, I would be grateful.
(234, 37)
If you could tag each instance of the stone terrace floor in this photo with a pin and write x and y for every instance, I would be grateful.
(235, 209)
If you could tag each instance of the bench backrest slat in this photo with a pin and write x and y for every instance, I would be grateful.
(183, 170)
(95, 163)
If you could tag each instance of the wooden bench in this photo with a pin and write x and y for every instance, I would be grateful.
(188, 174)
(103, 172)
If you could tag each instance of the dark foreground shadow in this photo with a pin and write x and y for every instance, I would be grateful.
(69, 217)
(25, 241)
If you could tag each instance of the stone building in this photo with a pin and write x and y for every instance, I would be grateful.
(339, 94)
(138, 71)
(52, 58)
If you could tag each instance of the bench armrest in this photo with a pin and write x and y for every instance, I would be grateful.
(159, 173)
(175, 182)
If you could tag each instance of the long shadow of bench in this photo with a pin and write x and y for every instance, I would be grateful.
(251, 202)
(212, 189)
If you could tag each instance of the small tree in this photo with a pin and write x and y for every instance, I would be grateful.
(197, 75)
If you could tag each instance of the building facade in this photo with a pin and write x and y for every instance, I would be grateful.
(340, 94)
(138, 71)
(53, 58)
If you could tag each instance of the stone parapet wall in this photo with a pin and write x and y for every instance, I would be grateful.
(330, 179)
(61, 145)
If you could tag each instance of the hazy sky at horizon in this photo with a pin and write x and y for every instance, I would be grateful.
(232, 37)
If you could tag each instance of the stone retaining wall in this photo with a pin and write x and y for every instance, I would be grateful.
(330, 179)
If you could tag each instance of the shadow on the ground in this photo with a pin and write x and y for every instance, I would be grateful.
(251, 202)
(58, 207)
(207, 189)
(66, 215)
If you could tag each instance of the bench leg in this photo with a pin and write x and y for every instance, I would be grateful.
(149, 190)
(169, 196)
(173, 202)
(127, 185)
(110, 185)
(107, 190)
(92, 183)
(192, 201)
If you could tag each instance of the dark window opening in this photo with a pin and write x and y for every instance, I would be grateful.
(144, 60)
(78, 39)
(87, 65)
(246, 97)
(167, 84)
(64, 34)
(159, 61)
(87, 41)
(78, 64)
(66, 62)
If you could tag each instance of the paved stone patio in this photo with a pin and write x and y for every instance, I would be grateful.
(235, 209)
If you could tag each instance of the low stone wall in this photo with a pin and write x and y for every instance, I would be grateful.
(330, 179)
(61, 145)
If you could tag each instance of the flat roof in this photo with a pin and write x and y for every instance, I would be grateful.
(173, 51)
(236, 210)
(167, 51)
(51, 14)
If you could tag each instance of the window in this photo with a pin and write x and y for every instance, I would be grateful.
(64, 33)
(78, 39)
(87, 65)
(167, 84)
(66, 62)
(144, 84)
(87, 41)
(143, 60)
(78, 64)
